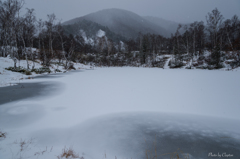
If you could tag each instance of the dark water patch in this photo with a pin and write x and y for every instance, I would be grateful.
(28, 90)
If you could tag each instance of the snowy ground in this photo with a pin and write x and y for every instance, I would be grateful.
(8, 78)
(108, 112)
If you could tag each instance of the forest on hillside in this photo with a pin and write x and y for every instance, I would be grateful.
(200, 45)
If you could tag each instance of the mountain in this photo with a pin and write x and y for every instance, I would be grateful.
(170, 26)
(122, 22)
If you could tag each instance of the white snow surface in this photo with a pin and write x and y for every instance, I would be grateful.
(86, 97)
(86, 39)
(101, 33)
(167, 62)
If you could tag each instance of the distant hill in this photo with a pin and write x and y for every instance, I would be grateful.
(122, 22)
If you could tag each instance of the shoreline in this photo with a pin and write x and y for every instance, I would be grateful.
(26, 90)
(19, 91)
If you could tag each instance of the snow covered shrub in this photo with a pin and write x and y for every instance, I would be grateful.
(2, 135)
(234, 64)
(202, 67)
(208, 59)
(159, 64)
(57, 70)
(200, 60)
(35, 70)
(195, 64)
(41, 70)
(176, 64)
(230, 55)
(104, 61)
(169, 63)
(71, 66)
(220, 65)
(18, 69)
(210, 67)
(68, 154)
(90, 58)
(28, 73)
(216, 58)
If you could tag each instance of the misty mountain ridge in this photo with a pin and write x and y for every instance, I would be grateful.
(127, 24)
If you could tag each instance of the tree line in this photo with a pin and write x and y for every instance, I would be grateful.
(221, 38)
(19, 34)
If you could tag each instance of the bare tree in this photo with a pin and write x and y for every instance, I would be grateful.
(69, 50)
(200, 40)
(159, 44)
(60, 32)
(9, 20)
(186, 36)
(41, 45)
(214, 22)
(30, 30)
(193, 28)
(109, 46)
(50, 26)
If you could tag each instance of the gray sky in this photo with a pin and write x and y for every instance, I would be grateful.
(183, 11)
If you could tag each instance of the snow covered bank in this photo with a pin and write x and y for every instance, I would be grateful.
(79, 115)
(9, 78)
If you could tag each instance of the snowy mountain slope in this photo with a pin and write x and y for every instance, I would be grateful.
(122, 22)
(90, 30)
(100, 33)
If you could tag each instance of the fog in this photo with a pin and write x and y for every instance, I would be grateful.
(183, 11)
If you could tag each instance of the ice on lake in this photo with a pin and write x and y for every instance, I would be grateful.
(128, 112)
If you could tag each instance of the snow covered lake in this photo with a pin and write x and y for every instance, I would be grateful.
(128, 113)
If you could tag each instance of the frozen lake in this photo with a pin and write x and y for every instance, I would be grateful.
(128, 113)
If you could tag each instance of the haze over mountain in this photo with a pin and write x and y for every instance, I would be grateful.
(170, 26)
(127, 23)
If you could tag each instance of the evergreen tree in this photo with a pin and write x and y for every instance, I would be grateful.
(215, 57)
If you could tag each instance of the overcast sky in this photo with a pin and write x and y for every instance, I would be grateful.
(183, 11)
